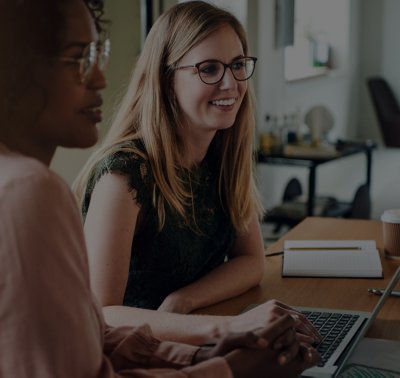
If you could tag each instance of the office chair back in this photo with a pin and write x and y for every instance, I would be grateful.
(361, 205)
(293, 189)
(387, 110)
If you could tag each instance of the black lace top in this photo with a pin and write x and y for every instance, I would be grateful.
(164, 261)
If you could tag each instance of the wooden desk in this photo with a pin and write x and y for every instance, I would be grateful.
(350, 294)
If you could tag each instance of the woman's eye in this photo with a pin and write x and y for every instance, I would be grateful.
(238, 65)
(209, 69)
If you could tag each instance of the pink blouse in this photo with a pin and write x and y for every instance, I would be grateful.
(50, 324)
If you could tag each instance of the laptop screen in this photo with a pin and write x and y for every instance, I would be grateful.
(378, 306)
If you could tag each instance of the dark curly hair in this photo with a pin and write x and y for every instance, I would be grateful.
(96, 8)
(29, 29)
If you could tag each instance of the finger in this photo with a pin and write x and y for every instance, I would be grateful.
(311, 333)
(239, 340)
(275, 302)
(281, 309)
(275, 309)
(289, 354)
(286, 339)
(309, 355)
(302, 323)
(302, 338)
(248, 340)
(276, 328)
(305, 327)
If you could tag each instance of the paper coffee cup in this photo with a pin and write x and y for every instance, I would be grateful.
(391, 232)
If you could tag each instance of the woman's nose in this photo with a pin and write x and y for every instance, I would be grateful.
(228, 80)
(96, 79)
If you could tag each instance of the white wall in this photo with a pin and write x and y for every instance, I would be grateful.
(336, 91)
(391, 44)
(371, 52)
(276, 96)
(237, 7)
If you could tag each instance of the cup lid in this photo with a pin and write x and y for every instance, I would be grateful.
(391, 216)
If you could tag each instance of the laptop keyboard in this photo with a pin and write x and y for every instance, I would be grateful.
(332, 327)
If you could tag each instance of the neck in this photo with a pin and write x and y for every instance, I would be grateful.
(196, 149)
(28, 146)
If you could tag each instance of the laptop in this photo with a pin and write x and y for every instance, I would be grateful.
(341, 331)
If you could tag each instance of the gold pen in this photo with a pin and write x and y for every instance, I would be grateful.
(325, 248)
(393, 293)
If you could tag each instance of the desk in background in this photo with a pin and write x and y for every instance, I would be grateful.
(343, 149)
(345, 293)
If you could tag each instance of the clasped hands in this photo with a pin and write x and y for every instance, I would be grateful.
(275, 350)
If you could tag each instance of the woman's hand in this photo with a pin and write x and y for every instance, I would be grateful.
(265, 313)
(177, 303)
(228, 343)
(271, 351)
(279, 336)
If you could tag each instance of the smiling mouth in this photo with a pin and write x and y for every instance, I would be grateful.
(224, 102)
(91, 110)
(94, 114)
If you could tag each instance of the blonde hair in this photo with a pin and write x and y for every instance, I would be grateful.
(150, 112)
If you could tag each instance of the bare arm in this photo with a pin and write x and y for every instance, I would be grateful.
(242, 271)
(109, 230)
(202, 329)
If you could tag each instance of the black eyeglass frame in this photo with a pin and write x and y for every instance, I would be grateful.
(225, 65)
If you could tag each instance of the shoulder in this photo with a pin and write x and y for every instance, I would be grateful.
(29, 177)
(126, 158)
(39, 210)
(130, 160)
(16, 167)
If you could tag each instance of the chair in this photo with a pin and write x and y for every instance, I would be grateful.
(361, 204)
(285, 214)
(292, 190)
(387, 110)
(293, 208)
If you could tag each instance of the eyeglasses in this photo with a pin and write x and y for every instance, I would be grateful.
(213, 71)
(93, 53)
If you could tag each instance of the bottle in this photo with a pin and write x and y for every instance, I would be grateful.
(267, 138)
(276, 131)
(292, 129)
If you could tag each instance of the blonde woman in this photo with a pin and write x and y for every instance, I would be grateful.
(51, 79)
(170, 205)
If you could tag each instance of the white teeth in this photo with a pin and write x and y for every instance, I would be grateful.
(224, 102)
(90, 110)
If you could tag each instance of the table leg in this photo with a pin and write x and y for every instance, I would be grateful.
(368, 153)
(311, 190)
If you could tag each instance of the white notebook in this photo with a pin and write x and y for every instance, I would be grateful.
(331, 258)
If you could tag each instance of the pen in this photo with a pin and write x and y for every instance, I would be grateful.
(323, 248)
(274, 254)
(394, 293)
